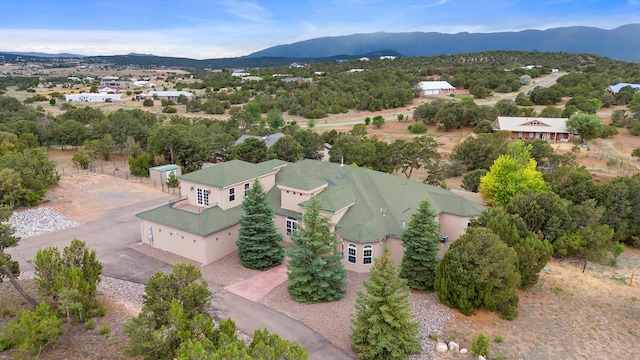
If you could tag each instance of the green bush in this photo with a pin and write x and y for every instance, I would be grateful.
(489, 281)
(147, 103)
(81, 160)
(480, 345)
(418, 128)
(484, 127)
(471, 180)
(32, 332)
(91, 324)
(105, 330)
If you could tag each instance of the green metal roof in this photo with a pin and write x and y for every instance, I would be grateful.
(380, 202)
(207, 222)
(165, 167)
(231, 172)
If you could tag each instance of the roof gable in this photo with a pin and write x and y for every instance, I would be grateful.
(229, 173)
(531, 124)
(381, 202)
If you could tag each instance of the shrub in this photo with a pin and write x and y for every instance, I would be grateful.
(490, 281)
(32, 332)
(169, 109)
(147, 103)
(91, 324)
(105, 330)
(367, 120)
(484, 127)
(471, 180)
(81, 160)
(418, 128)
(480, 345)
(378, 121)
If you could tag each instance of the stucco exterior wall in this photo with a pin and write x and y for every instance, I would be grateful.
(173, 240)
(453, 225)
(221, 244)
(359, 266)
(290, 199)
(204, 250)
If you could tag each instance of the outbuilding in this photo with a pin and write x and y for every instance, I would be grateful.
(159, 174)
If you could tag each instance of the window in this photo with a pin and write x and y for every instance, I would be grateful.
(232, 194)
(202, 197)
(520, 135)
(367, 254)
(246, 189)
(352, 254)
(291, 226)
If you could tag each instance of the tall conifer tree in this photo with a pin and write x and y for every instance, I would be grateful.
(316, 273)
(384, 326)
(258, 241)
(420, 241)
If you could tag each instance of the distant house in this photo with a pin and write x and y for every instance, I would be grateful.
(298, 80)
(364, 58)
(436, 87)
(356, 70)
(297, 65)
(534, 128)
(169, 95)
(367, 209)
(387, 57)
(268, 140)
(614, 89)
(93, 97)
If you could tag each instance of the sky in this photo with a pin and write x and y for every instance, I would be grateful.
(205, 29)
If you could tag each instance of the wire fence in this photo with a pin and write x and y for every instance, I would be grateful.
(614, 162)
(118, 169)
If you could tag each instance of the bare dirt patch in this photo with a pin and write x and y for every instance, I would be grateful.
(567, 315)
(83, 195)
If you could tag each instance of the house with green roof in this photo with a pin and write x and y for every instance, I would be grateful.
(368, 209)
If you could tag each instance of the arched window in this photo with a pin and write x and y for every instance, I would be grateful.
(367, 254)
(352, 254)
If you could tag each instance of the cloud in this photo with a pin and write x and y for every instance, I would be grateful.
(247, 10)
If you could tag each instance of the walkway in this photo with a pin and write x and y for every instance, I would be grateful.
(256, 287)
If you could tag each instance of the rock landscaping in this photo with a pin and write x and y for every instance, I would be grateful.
(32, 222)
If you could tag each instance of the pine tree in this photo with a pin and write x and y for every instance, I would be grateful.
(316, 273)
(258, 241)
(420, 241)
(384, 326)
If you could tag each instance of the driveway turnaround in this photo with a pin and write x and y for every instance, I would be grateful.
(112, 235)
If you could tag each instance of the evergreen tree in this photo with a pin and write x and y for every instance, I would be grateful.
(479, 271)
(316, 273)
(384, 326)
(258, 241)
(420, 241)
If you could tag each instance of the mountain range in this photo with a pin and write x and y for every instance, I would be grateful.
(622, 43)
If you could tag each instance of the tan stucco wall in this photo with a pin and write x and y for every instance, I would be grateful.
(453, 225)
(359, 267)
(203, 250)
(221, 244)
(220, 197)
(290, 200)
(175, 241)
